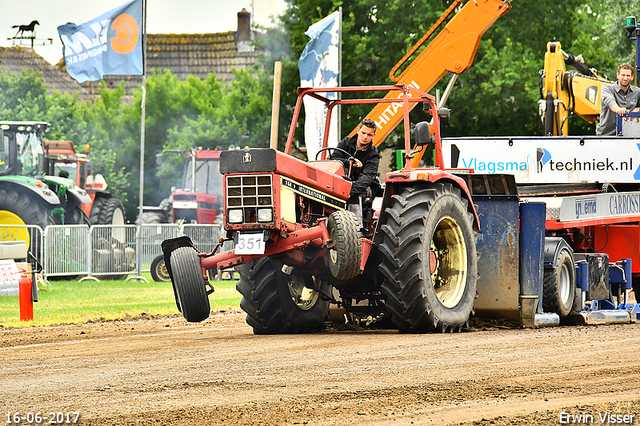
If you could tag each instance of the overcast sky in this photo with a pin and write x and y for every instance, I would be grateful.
(163, 16)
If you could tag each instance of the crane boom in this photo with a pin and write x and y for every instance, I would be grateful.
(452, 50)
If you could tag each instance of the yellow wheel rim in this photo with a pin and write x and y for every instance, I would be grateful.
(448, 262)
(11, 233)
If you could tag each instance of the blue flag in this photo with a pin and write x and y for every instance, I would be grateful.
(111, 44)
(319, 66)
(319, 61)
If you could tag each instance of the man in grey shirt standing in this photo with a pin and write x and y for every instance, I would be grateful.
(617, 99)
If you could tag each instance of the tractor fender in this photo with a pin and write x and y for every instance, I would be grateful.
(169, 245)
(396, 180)
(47, 195)
(67, 186)
(78, 195)
(552, 248)
(102, 193)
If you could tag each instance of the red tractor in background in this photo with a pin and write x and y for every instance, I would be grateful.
(61, 159)
(198, 200)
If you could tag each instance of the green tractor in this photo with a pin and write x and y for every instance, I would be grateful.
(27, 195)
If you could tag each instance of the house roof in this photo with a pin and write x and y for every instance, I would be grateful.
(15, 59)
(189, 54)
(182, 54)
(199, 54)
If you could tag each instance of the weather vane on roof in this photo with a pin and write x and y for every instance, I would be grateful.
(29, 28)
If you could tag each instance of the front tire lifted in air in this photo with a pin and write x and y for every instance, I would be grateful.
(189, 284)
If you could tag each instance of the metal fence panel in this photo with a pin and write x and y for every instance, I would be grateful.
(66, 249)
(205, 237)
(151, 238)
(109, 251)
(33, 235)
(113, 250)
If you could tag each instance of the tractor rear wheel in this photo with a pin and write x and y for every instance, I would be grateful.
(189, 284)
(18, 207)
(345, 252)
(76, 216)
(559, 285)
(429, 262)
(107, 211)
(278, 303)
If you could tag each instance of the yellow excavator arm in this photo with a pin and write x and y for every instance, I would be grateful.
(565, 93)
(452, 50)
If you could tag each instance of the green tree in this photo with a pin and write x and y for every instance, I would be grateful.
(499, 94)
(24, 96)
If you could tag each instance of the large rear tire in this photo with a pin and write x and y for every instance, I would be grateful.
(429, 262)
(189, 285)
(107, 211)
(76, 216)
(558, 290)
(24, 205)
(277, 303)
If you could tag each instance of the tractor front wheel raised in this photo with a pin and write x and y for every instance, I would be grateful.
(189, 284)
(279, 303)
(429, 261)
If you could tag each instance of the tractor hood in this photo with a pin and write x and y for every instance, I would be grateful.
(34, 185)
(68, 186)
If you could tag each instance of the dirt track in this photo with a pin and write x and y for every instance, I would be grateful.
(166, 371)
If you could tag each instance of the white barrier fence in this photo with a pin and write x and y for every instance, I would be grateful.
(103, 251)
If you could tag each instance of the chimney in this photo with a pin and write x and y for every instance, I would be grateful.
(244, 25)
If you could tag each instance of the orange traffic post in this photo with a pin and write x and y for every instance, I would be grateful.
(26, 299)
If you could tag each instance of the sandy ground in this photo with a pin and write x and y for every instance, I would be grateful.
(165, 371)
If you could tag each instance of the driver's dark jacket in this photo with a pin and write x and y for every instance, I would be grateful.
(370, 159)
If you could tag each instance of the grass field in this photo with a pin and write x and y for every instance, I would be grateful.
(62, 302)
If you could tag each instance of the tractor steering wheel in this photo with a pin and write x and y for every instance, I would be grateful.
(350, 157)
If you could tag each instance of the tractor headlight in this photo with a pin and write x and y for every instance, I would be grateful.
(265, 215)
(235, 216)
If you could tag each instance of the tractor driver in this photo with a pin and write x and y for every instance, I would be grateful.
(364, 169)
(617, 99)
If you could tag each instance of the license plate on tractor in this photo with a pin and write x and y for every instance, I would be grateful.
(250, 243)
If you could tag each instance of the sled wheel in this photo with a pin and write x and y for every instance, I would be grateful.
(559, 285)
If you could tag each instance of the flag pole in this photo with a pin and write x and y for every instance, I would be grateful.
(143, 106)
(139, 276)
(339, 73)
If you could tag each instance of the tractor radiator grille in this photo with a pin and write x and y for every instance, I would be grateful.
(249, 193)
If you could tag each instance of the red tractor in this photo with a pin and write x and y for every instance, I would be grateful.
(298, 250)
(197, 201)
(199, 198)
